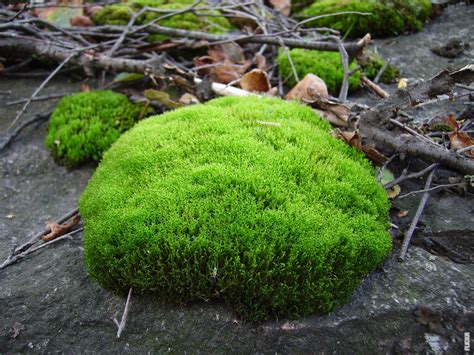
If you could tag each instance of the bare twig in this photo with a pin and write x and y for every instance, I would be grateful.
(404, 177)
(43, 84)
(16, 132)
(38, 236)
(290, 60)
(374, 87)
(419, 211)
(16, 257)
(37, 98)
(437, 187)
(413, 132)
(123, 321)
(381, 71)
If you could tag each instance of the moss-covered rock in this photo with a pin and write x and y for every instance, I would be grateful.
(371, 63)
(388, 17)
(120, 14)
(326, 65)
(84, 125)
(249, 200)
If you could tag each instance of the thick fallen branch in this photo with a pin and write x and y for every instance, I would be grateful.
(50, 50)
(352, 48)
(415, 148)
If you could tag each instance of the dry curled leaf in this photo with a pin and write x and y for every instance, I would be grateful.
(402, 213)
(81, 21)
(260, 61)
(311, 88)
(188, 99)
(353, 139)
(227, 51)
(85, 87)
(255, 81)
(58, 230)
(461, 140)
(282, 6)
(394, 192)
(161, 97)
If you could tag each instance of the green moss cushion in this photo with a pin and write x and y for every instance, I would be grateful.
(84, 125)
(248, 200)
(326, 65)
(388, 17)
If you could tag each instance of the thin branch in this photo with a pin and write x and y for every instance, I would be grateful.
(290, 60)
(37, 98)
(16, 132)
(374, 87)
(419, 211)
(43, 84)
(437, 187)
(413, 132)
(404, 177)
(46, 230)
(12, 259)
(381, 71)
(123, 321)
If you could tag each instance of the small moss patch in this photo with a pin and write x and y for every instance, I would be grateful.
(248, 200)
(372, 63)
(120, 14)
(388, 17)
(326, 65)
(85, 125)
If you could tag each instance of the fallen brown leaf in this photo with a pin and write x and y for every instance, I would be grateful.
(452, 122)
(311, 88)
(393, 192)
(81, 21)
(402, 213)
(353, 139)
(85, 87)
(188, 99)
(282, 6)
(58, 230)
(255, 81)
(260, 62)
(460, 140)
(227, 51)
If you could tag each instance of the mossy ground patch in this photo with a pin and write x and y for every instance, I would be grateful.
(248, 200)
(84, 125)
(388, 17)
(326, 65)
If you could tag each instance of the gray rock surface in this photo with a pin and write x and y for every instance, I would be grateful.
(48, 303)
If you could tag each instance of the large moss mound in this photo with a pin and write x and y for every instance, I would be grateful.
(248, 200)
(84, 125)
(120, 14)
(388, 17)
(326, 65)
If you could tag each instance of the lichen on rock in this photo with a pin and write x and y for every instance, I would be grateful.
(84, 125)
(247, 200)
